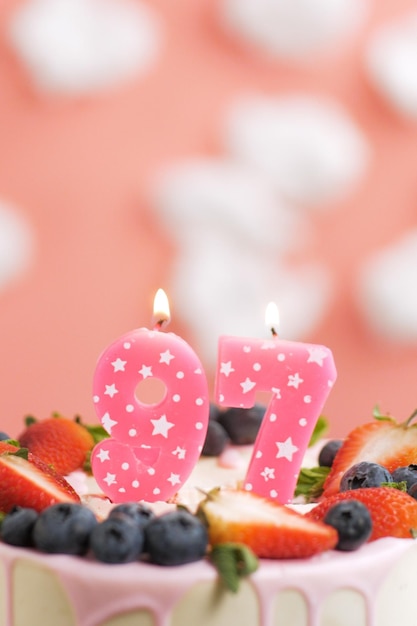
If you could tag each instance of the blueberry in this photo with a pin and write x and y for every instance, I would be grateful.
(64, 528)
(214, 412)
(406, 474)
(328, 452)
(138, 512)
(365, 474)
(216, 439)
(118, 539)
(17, 526)
(353, 523)
(176, 538)
(4, 436)
(242, 425)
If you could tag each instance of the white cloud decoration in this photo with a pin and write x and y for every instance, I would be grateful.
(81, 46)
(292, 29)
(387, 290)
(17, 245)
(308, 147)
(232, 233)
(391, 60)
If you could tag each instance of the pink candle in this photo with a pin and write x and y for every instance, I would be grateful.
(299, 377)
(152, 448)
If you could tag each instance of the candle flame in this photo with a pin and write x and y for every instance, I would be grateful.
(272, 317)
(161, 313)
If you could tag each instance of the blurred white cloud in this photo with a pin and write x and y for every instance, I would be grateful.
(391, 61)
(17, 244)
(293, 29)
(80, 46)
(387, 290)
(308, 147)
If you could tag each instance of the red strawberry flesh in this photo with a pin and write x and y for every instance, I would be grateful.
(393, 512)
(270, 529)
(386, 442)
(29, 483)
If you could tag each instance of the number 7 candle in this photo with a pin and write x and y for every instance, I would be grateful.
(152, 448)
(299, 377)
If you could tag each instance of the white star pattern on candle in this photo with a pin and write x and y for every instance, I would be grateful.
(110, 479)
(111, 390)
(166, 357)
(247, 385)
(118, 365)
(174, 479)
(103, 455)
(179, 452)
(161, 426)
(226, 368)
(317, 354)
(268, 473)
(276, 392)
(146, 370)
(294, 380)
(286, 449)
(107, 422)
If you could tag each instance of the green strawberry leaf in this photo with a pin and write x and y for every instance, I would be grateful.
(401, 486)
(233, 561)
(319, 431)
(310, 482)
(12, 442)
(381, 417)
(98, 433)
(23, 453)
(29, 420)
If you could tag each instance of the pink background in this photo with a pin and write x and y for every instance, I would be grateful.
(79, 169)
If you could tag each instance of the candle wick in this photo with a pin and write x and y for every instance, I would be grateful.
(159, 324)
(274, 332)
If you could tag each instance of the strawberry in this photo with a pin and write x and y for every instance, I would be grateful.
(385, 442)
(270, 529)
(60, 442)
(29, 482)
(393, 512)
(6, 446)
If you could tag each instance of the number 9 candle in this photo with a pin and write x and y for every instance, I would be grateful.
(299, 376)
(152, 448)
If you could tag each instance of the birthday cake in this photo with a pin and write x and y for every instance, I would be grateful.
(372, 585)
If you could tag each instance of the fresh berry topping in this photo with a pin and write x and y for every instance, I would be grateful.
(60, 442)
(393, 512)
(117, 539)
(242, 425)
(28, 482)
(328, 452)
(7, 446)
(214, 411)
(271, 530)
(138, 512)
(64, 528)
(4, 436)
(365, 474)
(353, 523)
(216, 439)
(176, 538)
(406, 474)
(385, 442)
(17, 526)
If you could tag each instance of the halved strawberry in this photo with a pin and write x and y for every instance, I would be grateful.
(385, 442)
(270, 529)
(60, 442)
(393, 512)
(28, 482)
